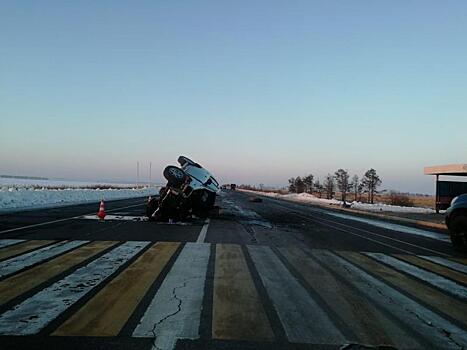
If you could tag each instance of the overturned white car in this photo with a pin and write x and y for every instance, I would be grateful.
(190, 191)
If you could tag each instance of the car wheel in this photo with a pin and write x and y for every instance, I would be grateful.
(174, 175)
(182, 160)
(458, 230)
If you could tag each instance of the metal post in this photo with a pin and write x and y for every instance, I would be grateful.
(150, 166)
(137, 174)
(437, 195)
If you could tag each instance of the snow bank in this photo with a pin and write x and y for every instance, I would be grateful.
(18, 198)
(311, 199)
(393, 208)
(17, 183)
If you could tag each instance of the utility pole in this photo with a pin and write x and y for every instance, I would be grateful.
(150, 166)
(137, 174)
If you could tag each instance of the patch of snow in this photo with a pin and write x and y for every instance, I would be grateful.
(311, 199)
(21, 198)
(26, 183)
(392, 208)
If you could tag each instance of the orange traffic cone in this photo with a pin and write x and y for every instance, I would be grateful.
(101, 212)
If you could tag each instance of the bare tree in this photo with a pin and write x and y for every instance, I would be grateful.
(292, 188)
(299, 185)
(308, 181)
(329, 186)
(371, 182)
(318, 188)
(342, 181)
(355, 187)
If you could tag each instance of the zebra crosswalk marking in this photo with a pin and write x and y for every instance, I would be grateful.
(430, 296)
(22, 282)
(375, 301)
(8, 242)
(106, 313)
(237, 309)
(430, 266)
(415, 316)
(343, 301)
(175, 311)
(302, 318)
(23, 247)
(7, 267)
(38, 311)
(429, 277)
(445, 262)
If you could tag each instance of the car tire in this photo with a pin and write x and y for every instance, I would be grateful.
(182, 160)
(458, 230)
(174, 175)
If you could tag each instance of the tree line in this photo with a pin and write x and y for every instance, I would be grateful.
(340, 181)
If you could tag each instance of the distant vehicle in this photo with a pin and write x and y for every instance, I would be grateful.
(456, 221)
(233, 187)
(190, 190)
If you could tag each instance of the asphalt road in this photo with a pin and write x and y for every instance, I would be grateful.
(268, 275)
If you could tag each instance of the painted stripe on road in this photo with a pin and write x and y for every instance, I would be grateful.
(237, 310)
(448, 263)
(65, 219)
(391, 226)
(430, 266)
(38, 311)
(108, 311)
(22, 282)
(8, 242)
(426, 276)
(115, 218)
(10, 266)
(175, 311)
(303, 320)
(20, 248)
(441, 333)
(202, 233)
(430, 296)
(369, 325)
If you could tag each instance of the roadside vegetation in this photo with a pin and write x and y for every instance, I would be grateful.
(338, 184)
(349, 188)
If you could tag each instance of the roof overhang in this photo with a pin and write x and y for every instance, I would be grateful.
(450, 169)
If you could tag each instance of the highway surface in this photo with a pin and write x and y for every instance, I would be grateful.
(268, 275)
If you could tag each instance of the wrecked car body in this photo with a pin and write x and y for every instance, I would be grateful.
(190, 192)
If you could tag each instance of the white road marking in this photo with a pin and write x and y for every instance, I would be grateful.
(440, 332)
(15, 264)
(175, 311)
(38, 311)
(374, 222)
(335, 225)
(61, 220)
(303, 320)
(445, 262)
(393, 227)
(8, 242)
(115, 218)
(426, 276)
(202, 233)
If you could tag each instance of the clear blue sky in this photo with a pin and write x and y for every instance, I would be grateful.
(257, 91)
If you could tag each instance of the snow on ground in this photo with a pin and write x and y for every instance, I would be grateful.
(19, 194)
(25, 183)
(377, 207)
(393, 208)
